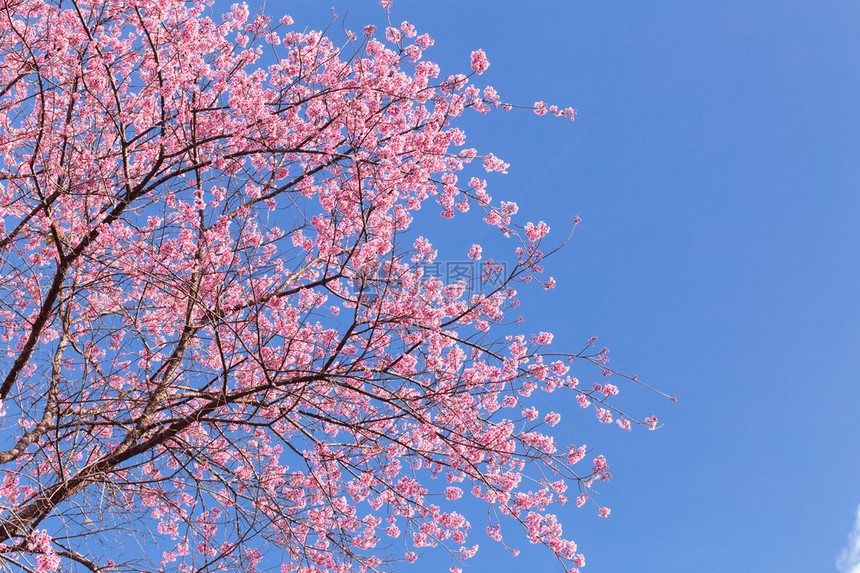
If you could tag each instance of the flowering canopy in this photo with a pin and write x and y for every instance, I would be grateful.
(218, 337)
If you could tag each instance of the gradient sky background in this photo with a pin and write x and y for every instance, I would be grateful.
(715, 163)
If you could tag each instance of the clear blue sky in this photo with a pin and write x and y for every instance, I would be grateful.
(715, 163)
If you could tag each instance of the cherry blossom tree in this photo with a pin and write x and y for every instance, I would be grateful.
(220, 345)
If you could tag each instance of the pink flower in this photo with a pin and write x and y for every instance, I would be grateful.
(408, 30)
(574, 455)
(479, 61)
(424, 41)
(604, 511)
(47, 562)
(536, 232)
(543, 338)
(493, 163)
(393, 34)
(475, 253)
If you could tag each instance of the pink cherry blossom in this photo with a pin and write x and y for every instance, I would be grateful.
(479, 61)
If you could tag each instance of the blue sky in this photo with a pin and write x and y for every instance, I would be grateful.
(715, 163)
